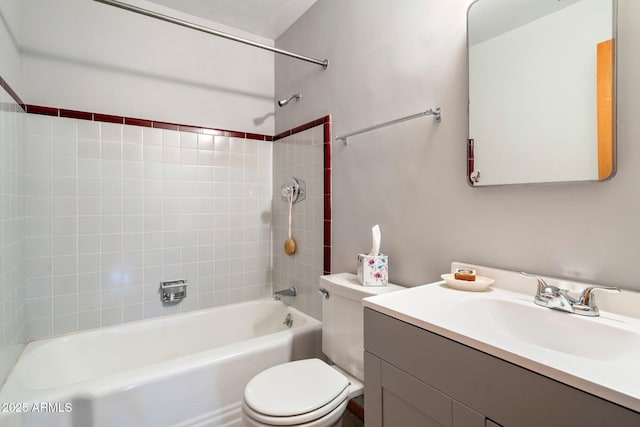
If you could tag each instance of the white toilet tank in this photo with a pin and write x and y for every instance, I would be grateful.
(342, 320)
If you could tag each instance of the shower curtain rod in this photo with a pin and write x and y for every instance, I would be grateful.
(323, 63)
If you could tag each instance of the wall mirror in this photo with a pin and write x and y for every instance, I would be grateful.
(541, 91)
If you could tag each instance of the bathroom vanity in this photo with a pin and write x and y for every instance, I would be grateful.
(433, 359)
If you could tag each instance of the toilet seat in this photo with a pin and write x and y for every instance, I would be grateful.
(327, 413)
(295, 393)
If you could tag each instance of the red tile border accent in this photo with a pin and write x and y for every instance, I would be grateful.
(36, 109)
(255, 136)
(327, 259)
(233, 134)
(470, 161)
(98, 117)
(323, 121)
(327, 233)
(167, 126)
(108, 118)
(214, 132)
(327, 181)
(192, 129)
(326, 121)
(282, 135)
(73, 114)
(327, 207)
(326, 126)
(304, 127)
(138, 122)
(327, 155)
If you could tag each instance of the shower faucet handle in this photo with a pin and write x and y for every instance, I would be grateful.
(294, 188)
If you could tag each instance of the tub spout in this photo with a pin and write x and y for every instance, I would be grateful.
(291, 292)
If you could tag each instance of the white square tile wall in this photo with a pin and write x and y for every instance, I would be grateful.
(301, 156)
(111, 210)
(12, 243)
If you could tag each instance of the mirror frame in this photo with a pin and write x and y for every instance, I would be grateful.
(470, 153)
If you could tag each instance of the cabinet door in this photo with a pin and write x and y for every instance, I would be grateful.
(394, 398)
(408, 402)
(466, 417)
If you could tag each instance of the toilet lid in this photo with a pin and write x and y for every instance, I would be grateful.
(294, 388)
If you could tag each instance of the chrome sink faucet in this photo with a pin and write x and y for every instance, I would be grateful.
(559, 299)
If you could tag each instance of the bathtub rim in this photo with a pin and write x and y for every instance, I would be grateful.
(164, 317)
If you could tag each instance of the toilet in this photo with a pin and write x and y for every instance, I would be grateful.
(310, 392)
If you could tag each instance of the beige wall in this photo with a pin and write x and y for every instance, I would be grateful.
(392, 58)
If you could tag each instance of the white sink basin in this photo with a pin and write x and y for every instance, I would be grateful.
(549, 329)
(599, 355)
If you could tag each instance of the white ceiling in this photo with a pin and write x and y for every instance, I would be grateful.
(266, 18)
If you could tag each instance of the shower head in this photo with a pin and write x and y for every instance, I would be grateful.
(284, 102)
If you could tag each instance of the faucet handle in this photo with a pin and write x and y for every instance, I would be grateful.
(542, 285)
(544, 291)
(588, 298)
(587, 302)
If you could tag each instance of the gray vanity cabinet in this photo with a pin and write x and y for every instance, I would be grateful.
(417, 378)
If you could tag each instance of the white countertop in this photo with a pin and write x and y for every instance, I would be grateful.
(576, 356)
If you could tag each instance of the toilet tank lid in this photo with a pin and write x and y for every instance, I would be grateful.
(347, 285)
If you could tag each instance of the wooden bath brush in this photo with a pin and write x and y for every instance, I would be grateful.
(290, 244)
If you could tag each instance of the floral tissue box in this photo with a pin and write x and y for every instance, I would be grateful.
(373, 270)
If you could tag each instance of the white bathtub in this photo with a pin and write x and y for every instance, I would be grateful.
(182, 370)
